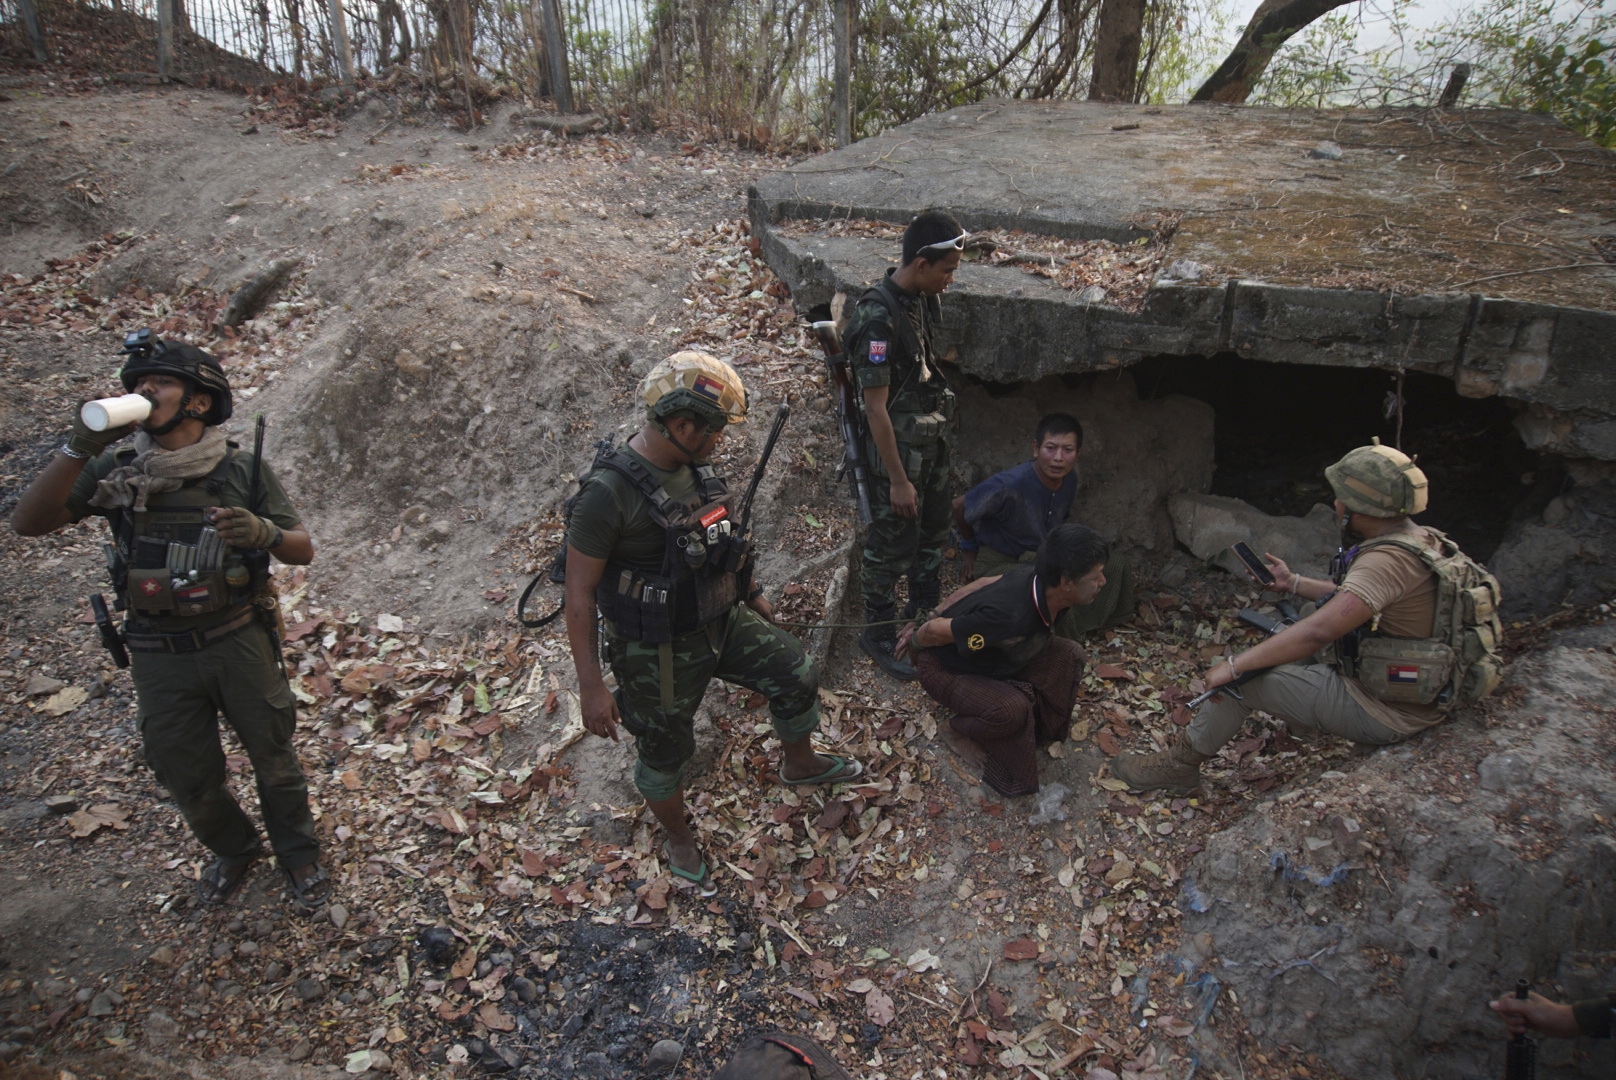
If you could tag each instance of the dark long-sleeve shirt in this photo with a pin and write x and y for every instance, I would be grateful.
(1012, 511)
(1594, 1016)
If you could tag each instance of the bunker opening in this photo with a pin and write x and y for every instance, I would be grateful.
(1278, 425)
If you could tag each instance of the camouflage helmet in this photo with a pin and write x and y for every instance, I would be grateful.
(150, 355)
(1378, 481)
(696, 382)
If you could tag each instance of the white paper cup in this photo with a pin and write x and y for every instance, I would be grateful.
(107, 413)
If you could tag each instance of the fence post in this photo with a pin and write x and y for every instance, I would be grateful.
(339, 42)
(555, 42)
(165, 40)
(36, 36)
(842, 94)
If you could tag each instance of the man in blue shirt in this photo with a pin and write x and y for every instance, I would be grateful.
(1001, 521)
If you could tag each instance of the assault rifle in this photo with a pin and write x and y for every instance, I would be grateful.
(848, 417)
(1268, 625)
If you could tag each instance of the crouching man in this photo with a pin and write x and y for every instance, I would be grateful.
(990, 655)
(1411, 621)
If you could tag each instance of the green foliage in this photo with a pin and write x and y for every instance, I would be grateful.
(913, 58)
(1185, 40)
(1524, 54)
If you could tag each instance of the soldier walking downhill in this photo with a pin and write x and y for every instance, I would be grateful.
(652, 553)
(190, 564)
(891, 341)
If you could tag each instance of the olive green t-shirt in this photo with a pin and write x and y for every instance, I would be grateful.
(275, 507)
(611, 519)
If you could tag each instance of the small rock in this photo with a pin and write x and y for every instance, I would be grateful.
(439, 944)
(53, 988)
(247, 948)
(1184, 270)
(664, 1056)
(1504, 772)
(346, 998)
(228, 988)
(9, 1052)
(42, 684)
(310, 989)
(300, 1050)
(1094, 294)
(235, 926)
(223, 950)
(163, 954)
(1174, 577)
(101, 1005)
(415, 515)
(442, 529)
(263, 928)
(161, 1027)
(339, 915)
(61, 804)
(1326, 151)
(364, 997)
(1314, 843)
(274, 971)
(410, 364)
(527, 991)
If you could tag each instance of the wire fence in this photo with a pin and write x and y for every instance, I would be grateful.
(756, 70)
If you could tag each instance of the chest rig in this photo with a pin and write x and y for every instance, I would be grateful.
(166, 560)
(1460, 663)
(920, 411)
(706, 562)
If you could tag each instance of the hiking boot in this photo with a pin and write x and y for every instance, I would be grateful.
(1175, 770)
(878, 643)
(923, 598)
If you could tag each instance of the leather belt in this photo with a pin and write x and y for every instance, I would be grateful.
(190, 641)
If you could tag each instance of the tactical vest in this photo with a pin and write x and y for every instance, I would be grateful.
(166, 560)
(927, 408)
(1459, 664)
(706, 564)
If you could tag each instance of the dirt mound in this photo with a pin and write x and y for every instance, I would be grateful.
(1370, 914)
(97, 43)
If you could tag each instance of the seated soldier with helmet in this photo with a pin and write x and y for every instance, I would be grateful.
(1412, 621)
(651, 547)
(203, 627)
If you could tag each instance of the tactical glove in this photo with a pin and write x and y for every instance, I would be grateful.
(90, 443)
(243, 529)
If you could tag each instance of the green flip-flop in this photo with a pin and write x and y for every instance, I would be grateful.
(844, 770)
(705, 886)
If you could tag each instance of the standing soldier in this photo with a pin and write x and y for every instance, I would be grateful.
(652, 551)
(891, 339)
(190, 563)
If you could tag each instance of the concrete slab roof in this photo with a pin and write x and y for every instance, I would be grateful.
(1475, 244)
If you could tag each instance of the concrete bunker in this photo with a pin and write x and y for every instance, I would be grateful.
(1235, 296)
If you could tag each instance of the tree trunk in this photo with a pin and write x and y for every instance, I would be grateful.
(1271, 26)
(555, 45)
(165, 40)
(339, 43)
(36, 35)
(1116, 50)
(182, 21)
(842, 86)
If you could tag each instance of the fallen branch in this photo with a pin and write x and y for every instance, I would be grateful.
(1538, 270)
(579, 293)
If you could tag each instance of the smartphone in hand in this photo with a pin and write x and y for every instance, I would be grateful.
(1258, 568)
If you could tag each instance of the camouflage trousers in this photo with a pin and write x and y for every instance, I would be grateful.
(896, 546)
(660, 687)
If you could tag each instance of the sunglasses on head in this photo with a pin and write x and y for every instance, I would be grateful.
(956, 244)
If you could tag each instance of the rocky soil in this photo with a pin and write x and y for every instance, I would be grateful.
(466, 314)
